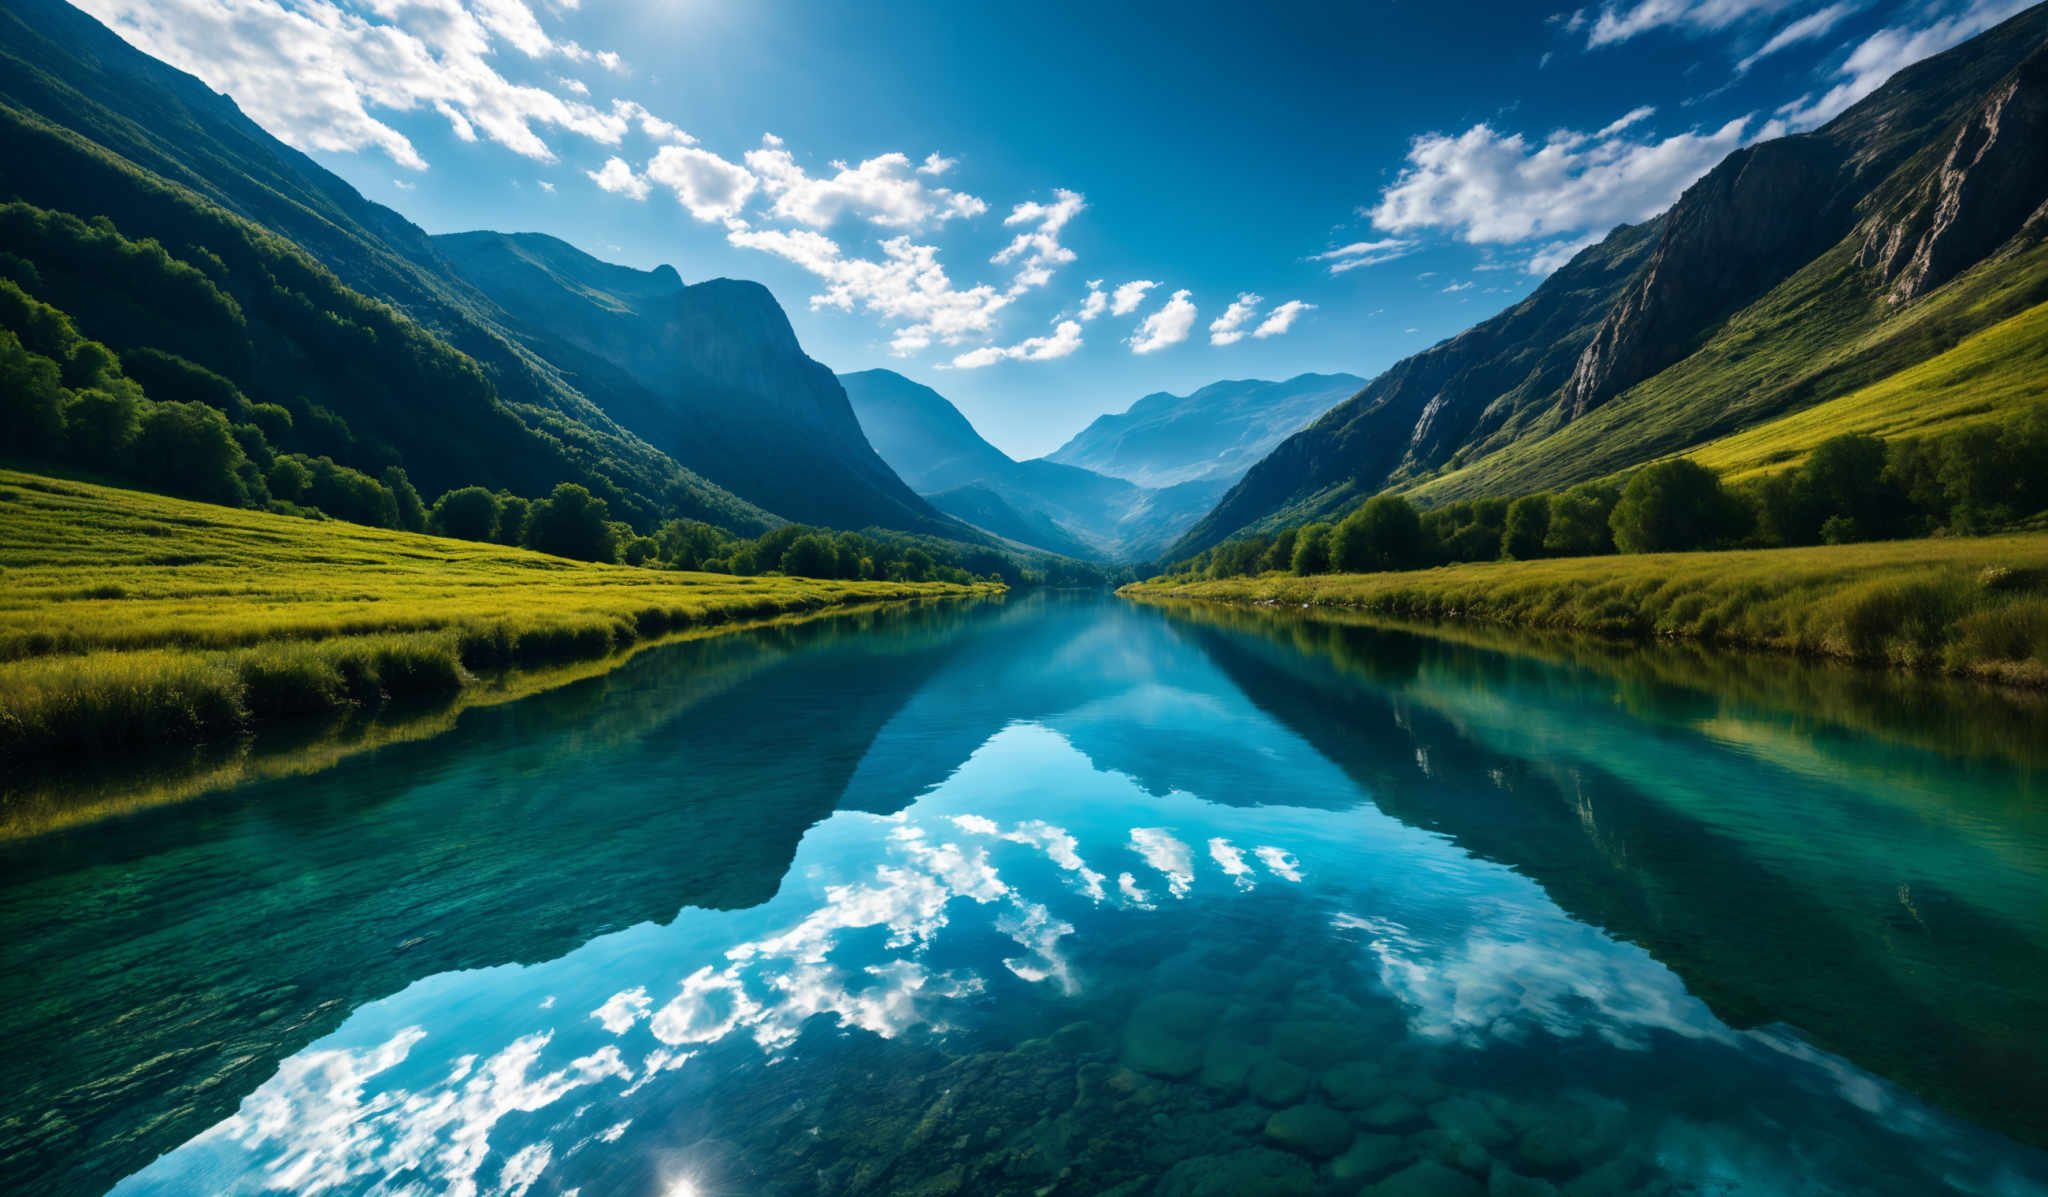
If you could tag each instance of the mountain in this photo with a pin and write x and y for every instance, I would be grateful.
(1795, 272)
(1041, 503)
(1218, 432)
(710, 373)
(381, 347)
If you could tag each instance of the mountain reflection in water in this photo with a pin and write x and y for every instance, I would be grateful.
(1057, 895)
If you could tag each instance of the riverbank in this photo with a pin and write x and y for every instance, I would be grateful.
(129, 619)
(1971, 606)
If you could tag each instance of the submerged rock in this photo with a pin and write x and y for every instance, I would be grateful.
(1226, 1063)
(1276, 1082)
(1428, 1179)
(1252, 1170)
(1471, 1117)
(1370, 1157)
(1317, 1131)
(1081, 1038)
(1314, 1042)
(1390, 1113)
(1355, 1085)
(1506, 1182)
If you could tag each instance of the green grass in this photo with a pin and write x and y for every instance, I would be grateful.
(128, 619)
(1819, 336)
(1965, 606)
(1987, 376)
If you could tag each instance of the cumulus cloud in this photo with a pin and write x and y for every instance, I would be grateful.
(1169, 325)
(1618, 24)
(313, 72)
(1064, 340)
(1097, 301)
(1485, 186)
(708, 186)
(1889, 51)
(883, 190)
(1228, 329)
(1037, 251)
(1549, 257)
(650, 124)
(1129, 296)
(906, 285)
(1364, 253)
(1456, 287)
(935, 165)
(1282, 318)
(618, 178)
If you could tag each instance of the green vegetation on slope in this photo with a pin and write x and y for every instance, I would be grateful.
(127, 619)
(1819, 336)
(1998, 370)
(1976, 606)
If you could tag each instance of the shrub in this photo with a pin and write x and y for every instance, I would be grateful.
(1384, 534)
(1673, 506)
(1528, 523)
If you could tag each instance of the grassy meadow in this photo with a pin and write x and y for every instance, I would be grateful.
(1976, 606)
(1988, 375)
(128, 619)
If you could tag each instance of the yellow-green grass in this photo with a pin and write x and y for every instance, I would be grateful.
(129, 618)
(1985, 377)
(1972, 606)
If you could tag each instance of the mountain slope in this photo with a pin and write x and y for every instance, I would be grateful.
(1774, 282)
(1058, 507)
(1217, 432)
(711, 373)
(93, 127)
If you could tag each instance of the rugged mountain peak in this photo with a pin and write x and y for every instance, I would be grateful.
(1742, 229)
(1991, 183)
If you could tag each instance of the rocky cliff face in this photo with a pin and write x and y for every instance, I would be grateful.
(1735, 234)
(710, 373)
(1991, 184)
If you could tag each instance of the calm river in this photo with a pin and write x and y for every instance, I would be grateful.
(1067, 895)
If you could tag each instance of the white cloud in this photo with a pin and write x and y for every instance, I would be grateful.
(935, 165)
(547, 186)
(708, 186)
(1456, 287)
(650, 124)
(1688, 16)
(576, 85)
(1037, 251)
(1631, 117)
(1064, 340)
(1129, 296)
(1806, 28)
(1889, 51)
(618, 178)
(1167, 855)
(883, 190)
(1484, 186)
(906, 285)
(1169, 325)
(1228, 329)
(1364, 253)
(1549, 257)
(1097, 301)
(1282, 318)
(312, 72)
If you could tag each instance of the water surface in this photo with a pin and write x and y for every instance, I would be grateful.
(1061, 895)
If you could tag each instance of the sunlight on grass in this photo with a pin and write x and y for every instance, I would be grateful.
(1963, 605)
(129, 618)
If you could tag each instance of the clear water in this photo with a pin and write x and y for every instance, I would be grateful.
(1063, 895)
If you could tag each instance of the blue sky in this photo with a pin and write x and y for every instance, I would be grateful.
(976, 195)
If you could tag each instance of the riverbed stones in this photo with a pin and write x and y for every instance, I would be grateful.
(1470, 1117)
(1226, 1063)
(1252, 1170)
(1354, 1085)
(1370, 1157)
(1428, 1179)
(1276, 1082)
(1390, 1114)
(1081, 1038)
(1316, 1042)
(1504, 1181)
(1311, 1130)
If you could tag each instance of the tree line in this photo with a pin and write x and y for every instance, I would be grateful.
(1854, 487)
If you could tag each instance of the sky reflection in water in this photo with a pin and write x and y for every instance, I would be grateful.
(1039, 888)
